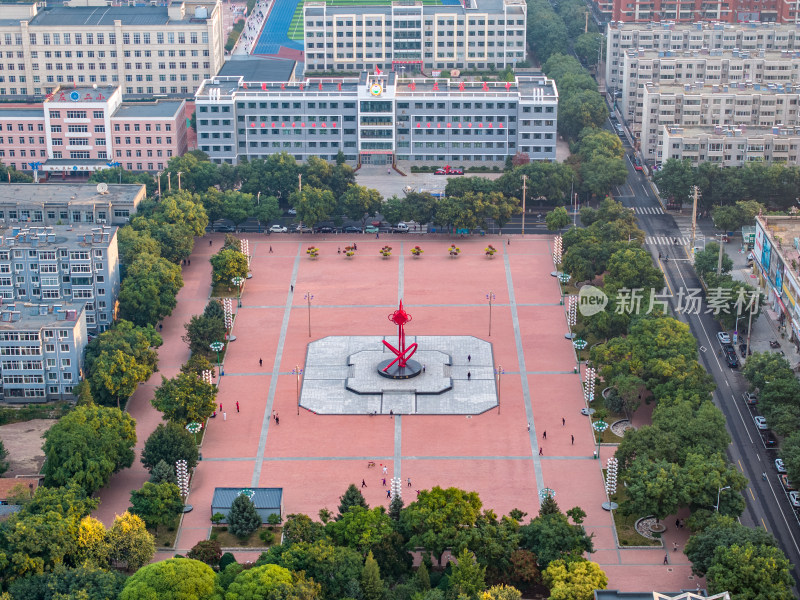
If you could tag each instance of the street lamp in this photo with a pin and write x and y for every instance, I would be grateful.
(309, 297)
(179, 180)
(490, 296)
(719, 491)
(115, 165)
(158, 179)
(217, 347)
(297, 371)
(498, 371)
(238, 281)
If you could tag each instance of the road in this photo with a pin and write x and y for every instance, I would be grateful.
(766, 501)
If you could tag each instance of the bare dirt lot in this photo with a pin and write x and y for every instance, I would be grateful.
(24, 444)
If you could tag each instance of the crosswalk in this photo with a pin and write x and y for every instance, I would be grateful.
(659, 240)
(647, 210)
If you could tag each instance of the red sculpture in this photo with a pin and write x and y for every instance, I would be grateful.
(400, 317)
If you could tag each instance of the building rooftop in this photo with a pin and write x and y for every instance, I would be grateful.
(62, 16)
(253, 68)
(60, 194)
(160, 109)
(227, 86)
(262, 497)
(29, 316)
(722, 88)
(700, 26)
(71, 237)
(22, 113)
(730, 131)
(84, 93)
(705, 53)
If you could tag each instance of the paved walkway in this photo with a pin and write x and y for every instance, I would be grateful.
(314, 457)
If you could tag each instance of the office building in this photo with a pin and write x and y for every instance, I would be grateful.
(377, 119)
(146, 50)
(83, 129)
(56, 264)
(41, 350)
(690, 11)
(728, 146)
(414, 36)
(736, 106)
(38, 205)
(702, 37)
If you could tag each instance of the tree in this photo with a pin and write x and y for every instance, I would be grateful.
(227, 264)
(360, 202)
(91, 548)
(266, 582)
(157, 503)
(722, 532)
(88, 583)
(171, 579)
(706, 475)
(360, 528)
(169, 442)
(493, 542)
(654, 488)
(675, 179)
(83, 393)
(705, 261)
(185, 399)
(750, 572)
(243, 518)
(467, 577)
(632, 268)
(300, 528)
(207, 551)
(574, 579)
(371, 583)
(11, 175)
(520, 158)
(3, 456)
(435, 519)
(201, 331)
(163, 473)
(585, 108)
(198, 363)
(524, 569)
(551, 537)
(132, 243)
(600, 173)
(87, 446)
(396, 507)
(790, 453)
(587, 47)
(556, 219)
(115, 376)
(149, 290)
(501, 592)
(313, 205)
(351, 497)
(232, 205)
(728, 218)
(130, 545)
(267, 209)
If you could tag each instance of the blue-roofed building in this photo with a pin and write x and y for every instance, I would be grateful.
(268, 501)
(166, 49)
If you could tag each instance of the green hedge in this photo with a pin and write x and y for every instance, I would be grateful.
(233, 36)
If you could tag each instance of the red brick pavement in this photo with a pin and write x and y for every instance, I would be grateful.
(313, 458)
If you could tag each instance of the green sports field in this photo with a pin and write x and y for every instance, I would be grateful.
(296, 26)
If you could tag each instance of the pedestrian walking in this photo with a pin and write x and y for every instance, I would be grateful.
(363, 483)
(189, 262)
(417, 493)
(666, 559)
(377, 235)
(409, 482)
(529, 427)
(277, 420)
(220, 407)
(674, 546)
(678, 523)
(224, 416)
(291, 288)
(270, 249)
(509, 241)
(384, 481)
(573, 439)
(355, 247)
(209, 242)
(237, 406)
(541, 453)
(469, 375)
(388, 493)
(469, 357)
(563, 421)
(385, 469)
(423, 368)
(338, 251)
(260, 362)
(544, 435)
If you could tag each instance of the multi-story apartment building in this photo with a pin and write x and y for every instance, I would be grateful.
(56, 264)
(679, 38)
(82, 129)
(730, 147)
(32, 205)
(41, 349)
(146, 50)
(717, 106)
(689, 11)
(414, 36)
(378, 119)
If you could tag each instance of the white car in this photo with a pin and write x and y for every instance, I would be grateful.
(761, 422)
(723, 337)
(794, 498)
(277, 229)
(780, 466)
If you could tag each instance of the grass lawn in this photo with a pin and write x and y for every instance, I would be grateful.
(165, 538)
(626, 525)
(228, 540)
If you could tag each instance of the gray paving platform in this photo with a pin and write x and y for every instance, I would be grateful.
(341, 377)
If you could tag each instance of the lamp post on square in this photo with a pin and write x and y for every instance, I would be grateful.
(297, 371)
(309, 297)
(490, 297)
(217, 347)
(498, 372)
(238, 281)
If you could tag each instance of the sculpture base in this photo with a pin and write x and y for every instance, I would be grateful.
(412, 369)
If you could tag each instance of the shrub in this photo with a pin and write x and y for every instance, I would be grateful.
(243, 518)
(207, 551)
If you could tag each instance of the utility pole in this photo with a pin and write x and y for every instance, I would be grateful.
(169, 181)
(300, 183)
(719, 258)
(524, 189)
(694, 219)
(586, 25)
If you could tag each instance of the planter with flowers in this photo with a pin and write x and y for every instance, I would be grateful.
(490, 251)
(454, 250)
(312, 251)
(349, 251)
(416, 251)
(386, 251)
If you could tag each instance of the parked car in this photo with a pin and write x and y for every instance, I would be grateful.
(723, 337)
(750, 398)
(352, 229)
(371, 229)
(448, 170)
(794, 498)
(325, 229)
(291, 211)
(761, 422)
(786, 483)
(731, 358)
(303, 229)
(400, 228)
(278, 229)
(619, 128)
(780, 466)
